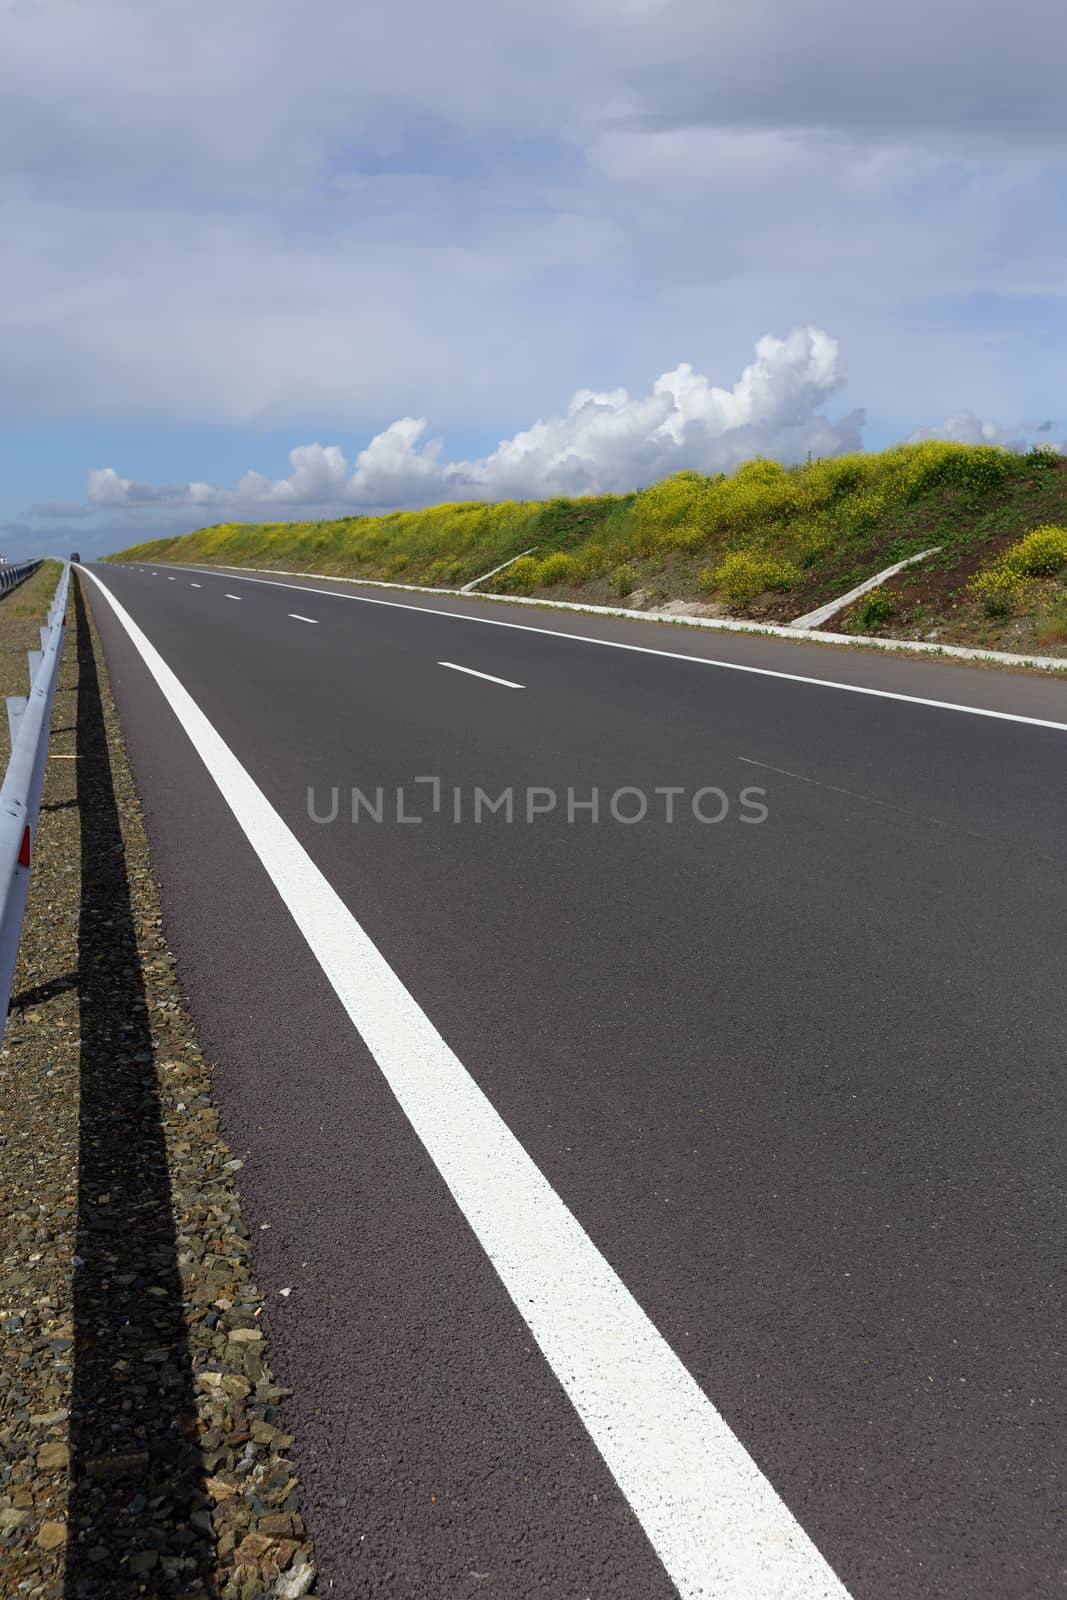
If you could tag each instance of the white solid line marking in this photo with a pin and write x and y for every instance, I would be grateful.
(298, 618)
(488, 676)
(712, 1517)
(233, 597)
(670, 655)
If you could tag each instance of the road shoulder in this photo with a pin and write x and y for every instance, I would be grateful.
(143, 1428)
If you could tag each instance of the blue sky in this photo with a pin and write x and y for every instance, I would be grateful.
(235, 234)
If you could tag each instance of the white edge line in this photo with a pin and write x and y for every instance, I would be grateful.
(668, 655)
(772, 630)
(488, 676)
(713, 1518)
(298, 618)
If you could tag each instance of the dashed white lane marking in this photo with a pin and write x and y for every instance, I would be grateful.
(233, 597)
(196, 586)
(298, 618)
(668, 655)
(171, 579)
(714, 1520)
(488, 676)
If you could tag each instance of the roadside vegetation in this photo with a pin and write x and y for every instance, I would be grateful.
(33, 597)
(765, 542)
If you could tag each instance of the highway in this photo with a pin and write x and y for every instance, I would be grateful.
(667, 1200)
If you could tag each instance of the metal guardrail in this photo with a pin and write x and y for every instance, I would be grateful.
(29, 718)
(14, 572)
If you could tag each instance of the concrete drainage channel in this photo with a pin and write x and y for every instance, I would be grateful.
(821, 614)
(813, 619)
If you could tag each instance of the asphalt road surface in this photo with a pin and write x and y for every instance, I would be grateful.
(668, 1204)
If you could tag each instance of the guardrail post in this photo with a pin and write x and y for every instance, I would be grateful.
(16, 705)
(35, 658)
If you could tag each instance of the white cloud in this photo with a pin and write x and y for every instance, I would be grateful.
(963, 427)
(106, 488)
(215, 216)
(605, 441)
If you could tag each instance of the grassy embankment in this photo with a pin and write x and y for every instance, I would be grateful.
(33, 597)
(765, 542)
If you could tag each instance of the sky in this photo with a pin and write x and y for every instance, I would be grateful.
(262, 261)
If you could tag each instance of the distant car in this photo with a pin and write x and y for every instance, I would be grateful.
(74, 556)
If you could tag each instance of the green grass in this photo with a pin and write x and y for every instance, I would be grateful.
(444, 545)
(32, 598)
(1050, 627)
(761, 532)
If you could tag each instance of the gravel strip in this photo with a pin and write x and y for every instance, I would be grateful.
(142, 1433)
